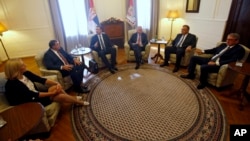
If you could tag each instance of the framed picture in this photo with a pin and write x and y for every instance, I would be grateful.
(193, 6)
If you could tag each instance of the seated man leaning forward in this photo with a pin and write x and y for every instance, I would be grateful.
(138, 42)
(58, 59)
(184, 41)
(102, 45)
(225, 53)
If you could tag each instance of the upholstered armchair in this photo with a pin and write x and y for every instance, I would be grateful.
(66, 82)
(225, 76)
(130, 53)
(95, 54)
(186, 58)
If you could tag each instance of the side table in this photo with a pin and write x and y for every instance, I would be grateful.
(245, 70)
(158, 54)
(81, 51)
(20, 120)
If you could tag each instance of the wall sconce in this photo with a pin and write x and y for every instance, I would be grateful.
(172, 15)
(3, 29)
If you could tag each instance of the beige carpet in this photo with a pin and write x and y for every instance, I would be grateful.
(150, 103)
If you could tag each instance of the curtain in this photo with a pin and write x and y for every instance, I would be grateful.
(70, 23)
(154, 19)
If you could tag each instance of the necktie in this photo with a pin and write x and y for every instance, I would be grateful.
(214, 58)
(101, 42)
(139, 39)
(181, 41)
(63, 58)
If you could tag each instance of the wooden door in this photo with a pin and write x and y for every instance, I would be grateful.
(239, 21)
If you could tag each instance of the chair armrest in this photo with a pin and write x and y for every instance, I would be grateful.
(58, 74)
(206, 55)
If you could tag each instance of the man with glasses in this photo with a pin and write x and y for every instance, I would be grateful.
(225, 53)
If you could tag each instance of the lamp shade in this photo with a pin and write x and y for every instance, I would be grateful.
(173, 14)
(2, 28)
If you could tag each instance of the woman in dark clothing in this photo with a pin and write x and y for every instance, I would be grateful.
(20, 87)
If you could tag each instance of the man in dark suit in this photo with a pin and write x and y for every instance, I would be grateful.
(138, 42)
(184, 41)
(223, 54)
(57, 59)
(102, 44)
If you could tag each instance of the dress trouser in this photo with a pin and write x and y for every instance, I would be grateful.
(137, 52)
(204, 68)
(102, 54)
(76, 74)
(179, 51)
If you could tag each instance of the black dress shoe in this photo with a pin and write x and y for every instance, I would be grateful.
(175, 69)
(201, 86)
(82, 90)
(188, 76)
(115, 68)
(165, 64)
(137, 66)
(112, 71)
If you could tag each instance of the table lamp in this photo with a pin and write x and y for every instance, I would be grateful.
(172, 15)
(3, 29)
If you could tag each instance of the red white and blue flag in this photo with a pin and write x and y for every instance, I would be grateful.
(130, 18)
(93, 20)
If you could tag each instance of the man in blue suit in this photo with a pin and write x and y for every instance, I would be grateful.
(102, 44)
(138, 42)
(57, 59)
(184, 41)
(223, 54)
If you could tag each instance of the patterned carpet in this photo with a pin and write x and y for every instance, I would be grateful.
(148, 104)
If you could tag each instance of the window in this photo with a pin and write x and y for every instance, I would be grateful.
(143, 8)
(74, 17)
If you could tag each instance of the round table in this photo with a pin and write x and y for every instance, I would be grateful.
(81, 51)
(158, 54)
(20, 120)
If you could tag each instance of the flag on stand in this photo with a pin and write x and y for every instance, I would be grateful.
(93, 20)
(130, 18)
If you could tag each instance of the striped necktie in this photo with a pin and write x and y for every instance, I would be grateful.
(63, 58)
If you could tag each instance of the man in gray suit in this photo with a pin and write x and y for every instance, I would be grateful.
(184, 41)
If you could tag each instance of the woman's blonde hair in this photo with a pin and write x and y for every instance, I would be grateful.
(12, 68)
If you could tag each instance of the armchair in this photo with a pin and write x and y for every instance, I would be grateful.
(186, 58)
(66, 82)
(95, 54)
(225, 76)
(130, 53)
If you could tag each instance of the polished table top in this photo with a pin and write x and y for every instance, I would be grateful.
(244, 69)
(80, 51)
(20, 120)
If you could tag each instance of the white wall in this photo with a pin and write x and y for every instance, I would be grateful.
(208, 24)
(30, 25)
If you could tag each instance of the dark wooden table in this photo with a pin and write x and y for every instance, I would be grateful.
(158, 54)
(20, 120)
(245, 70)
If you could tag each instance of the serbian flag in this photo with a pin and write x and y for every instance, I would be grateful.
(130, 18)
(93, 20)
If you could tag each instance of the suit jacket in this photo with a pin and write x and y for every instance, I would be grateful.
(235, 53)
(17, 92)
(133, 39)
(190, 40)
(53, 62)
(107, 42)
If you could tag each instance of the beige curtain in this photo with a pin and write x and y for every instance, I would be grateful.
(154, 19)
(68, 43)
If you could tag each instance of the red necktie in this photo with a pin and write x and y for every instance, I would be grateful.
(63, 58)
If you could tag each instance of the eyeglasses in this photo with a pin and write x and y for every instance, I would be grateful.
(230, 39)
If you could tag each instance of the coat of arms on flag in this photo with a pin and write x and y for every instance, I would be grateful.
(93, 20)
(130, 18)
